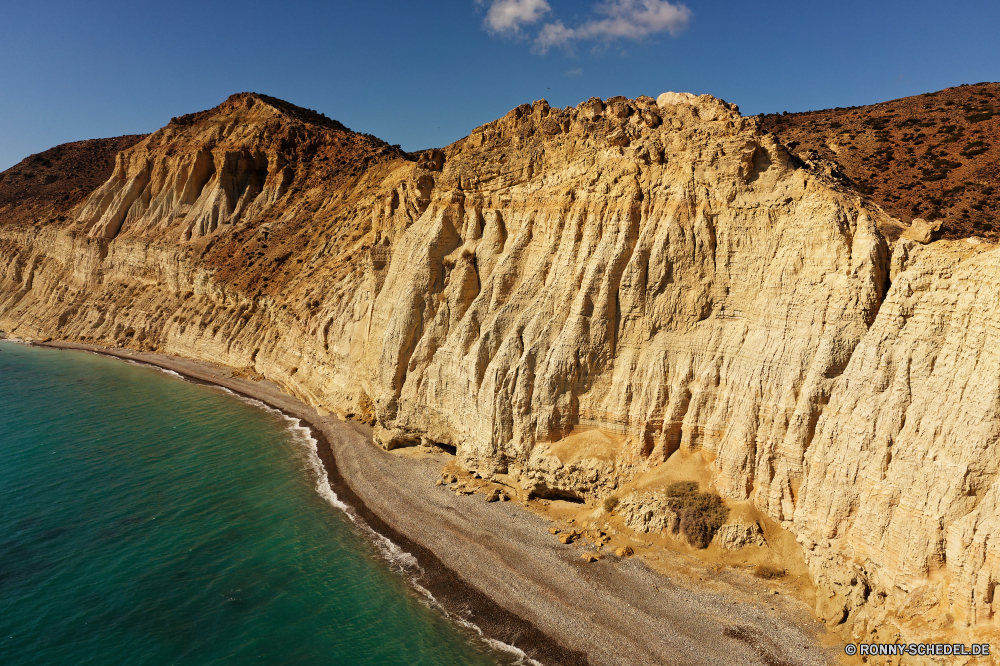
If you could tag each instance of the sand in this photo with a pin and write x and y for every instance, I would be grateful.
(496, 565)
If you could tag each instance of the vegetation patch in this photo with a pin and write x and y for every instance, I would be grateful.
(700, 514)
(768, 572)
(980, 117)
(974, 148)
(938, 169)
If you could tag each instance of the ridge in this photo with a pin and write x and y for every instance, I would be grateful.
(245, 101)
(934, 156)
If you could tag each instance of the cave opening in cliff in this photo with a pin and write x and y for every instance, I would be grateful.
(560, 495)
(447, 448)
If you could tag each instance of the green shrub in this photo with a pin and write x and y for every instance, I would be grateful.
(701, 514)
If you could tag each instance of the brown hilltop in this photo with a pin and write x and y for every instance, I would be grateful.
(220, 179)
(933, 156)
(43, 186)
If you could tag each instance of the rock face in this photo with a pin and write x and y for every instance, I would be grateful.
(648, 512)
(903, 469)
(740, 534)
(569, 297)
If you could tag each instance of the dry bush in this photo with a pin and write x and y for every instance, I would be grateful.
(610, 503)
(767, 572)
(701, 514)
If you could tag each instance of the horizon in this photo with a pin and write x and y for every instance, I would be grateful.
(424, 77)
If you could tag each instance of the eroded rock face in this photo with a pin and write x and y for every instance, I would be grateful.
(207, 170)
(569, 297)
(740, 534)
(648, 512)
(902, 473)
(584, 285)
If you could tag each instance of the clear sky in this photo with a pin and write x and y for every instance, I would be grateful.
(424, 73)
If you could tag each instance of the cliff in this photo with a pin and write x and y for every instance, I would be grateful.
(572, 299)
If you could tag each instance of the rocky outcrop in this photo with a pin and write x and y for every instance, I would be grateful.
(740, 534)
(648, 512)
(923, 231)
(569, 298)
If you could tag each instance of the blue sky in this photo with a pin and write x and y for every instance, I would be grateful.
(424, 74)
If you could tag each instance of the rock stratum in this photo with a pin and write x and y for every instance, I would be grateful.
(572, 298)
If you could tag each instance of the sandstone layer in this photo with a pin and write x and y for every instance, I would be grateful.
(571, 298)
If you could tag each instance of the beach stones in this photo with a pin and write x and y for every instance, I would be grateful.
(569, 537)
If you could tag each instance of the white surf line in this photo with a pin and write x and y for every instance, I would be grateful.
(400, 561)
(148, 365)
(405, 563)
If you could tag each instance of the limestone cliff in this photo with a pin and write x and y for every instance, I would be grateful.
(572, 297)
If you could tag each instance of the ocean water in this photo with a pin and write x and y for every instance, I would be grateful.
(145, 520)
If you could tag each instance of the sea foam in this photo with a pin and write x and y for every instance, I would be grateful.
(154, 367)
(399, 560)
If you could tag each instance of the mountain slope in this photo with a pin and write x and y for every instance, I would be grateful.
(933, 156)
(47, 184)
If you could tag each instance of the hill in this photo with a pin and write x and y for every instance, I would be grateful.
(43, 186)
(932, 156)
(590, 302)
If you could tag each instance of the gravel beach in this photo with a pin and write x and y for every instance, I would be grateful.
(497, 566)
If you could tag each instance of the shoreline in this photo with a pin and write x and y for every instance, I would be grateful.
(529, 593)
(446, 588)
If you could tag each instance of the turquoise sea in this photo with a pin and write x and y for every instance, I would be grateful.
(146, 520)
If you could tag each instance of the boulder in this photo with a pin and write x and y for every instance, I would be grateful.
(922, 231)
(739, 534)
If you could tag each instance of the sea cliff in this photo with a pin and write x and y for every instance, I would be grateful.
(573, 298)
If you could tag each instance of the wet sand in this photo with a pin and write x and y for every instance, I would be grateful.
(497, 566)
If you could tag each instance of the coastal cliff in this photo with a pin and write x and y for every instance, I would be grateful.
(573, 298)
